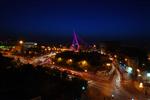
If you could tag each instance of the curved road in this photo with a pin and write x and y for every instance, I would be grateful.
(103, 87)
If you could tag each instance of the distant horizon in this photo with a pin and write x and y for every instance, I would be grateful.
(46, 37)
(59, 39)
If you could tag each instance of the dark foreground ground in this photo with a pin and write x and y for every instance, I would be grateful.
(27, 82)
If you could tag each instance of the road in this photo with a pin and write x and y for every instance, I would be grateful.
(101, 87)
(125, 90)
(120, 90)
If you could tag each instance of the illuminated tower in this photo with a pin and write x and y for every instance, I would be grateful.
(75, 44)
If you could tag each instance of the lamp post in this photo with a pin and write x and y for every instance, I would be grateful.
(21, 42)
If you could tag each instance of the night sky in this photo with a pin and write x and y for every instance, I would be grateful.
(91, 19)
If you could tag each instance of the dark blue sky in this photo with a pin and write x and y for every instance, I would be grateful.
(107, 19)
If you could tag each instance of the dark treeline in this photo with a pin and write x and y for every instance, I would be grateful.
(95, 60)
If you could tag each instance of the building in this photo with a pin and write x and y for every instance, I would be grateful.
(27, 45)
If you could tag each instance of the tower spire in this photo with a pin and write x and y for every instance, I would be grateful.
(75, 44)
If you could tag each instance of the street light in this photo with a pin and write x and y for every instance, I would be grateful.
(42, 47)
(85, 70)
(84, 63)
(115, 56)
(139, 75)
(94, 46)
(129, 70)
(132, 99)
(59, 59)
(111, 59)
(138, 70)
(21, 42)
(45, 49)
(69, 61)
(108, 64)
(148, 75)
(83, 87)
(112, 96)
(141, 85)
(35, 44)
(126, 59)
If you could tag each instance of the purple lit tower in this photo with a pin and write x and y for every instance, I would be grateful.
(75, 44)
